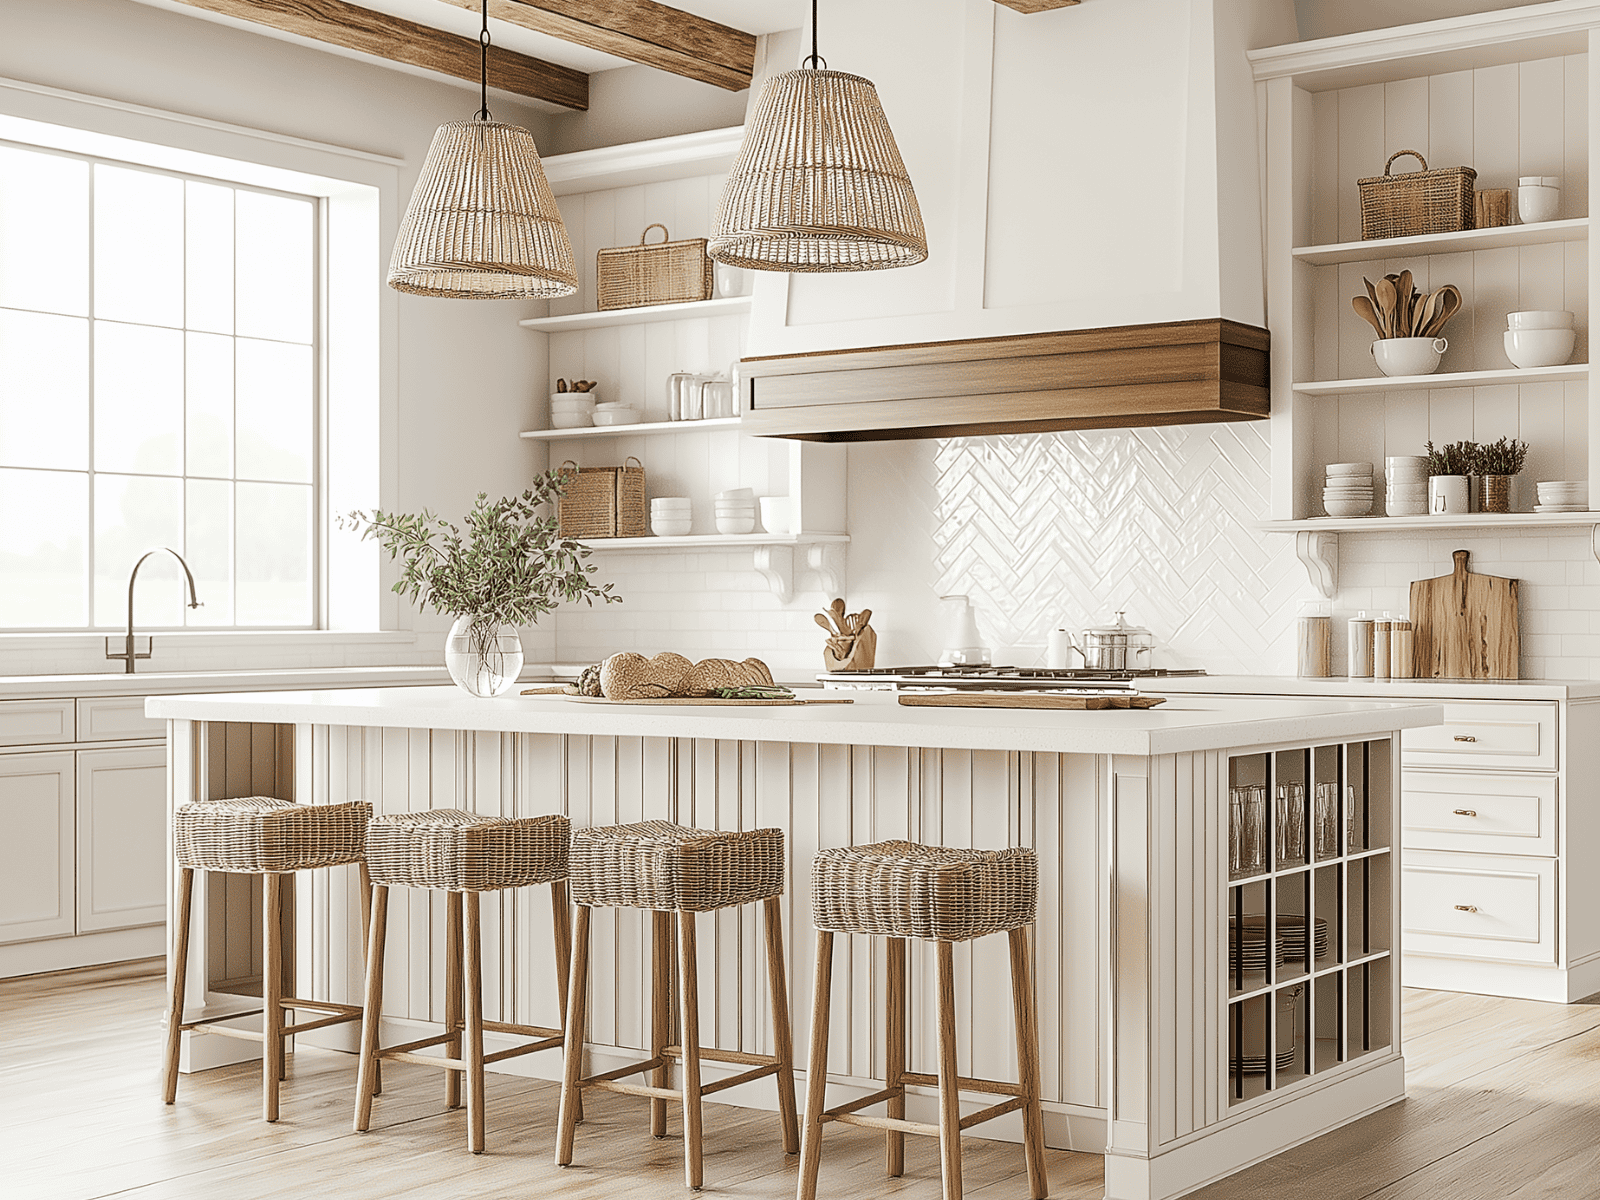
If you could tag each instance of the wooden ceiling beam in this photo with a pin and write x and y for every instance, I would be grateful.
(398, 40)
(640, 31)
(1034, 6)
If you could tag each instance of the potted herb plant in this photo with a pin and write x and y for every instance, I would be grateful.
(1497, 464)
(1449, 478)
(508, 568)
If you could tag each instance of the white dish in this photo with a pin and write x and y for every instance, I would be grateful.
(737, 494)
(1408, 356)
(572, 400)
(736, 525)
(662, 527)
(670, 506)
(1540, 318)
(1347, 508)
(616, 416)
(1560, 508)
(570, 420)
(1350, 468)
(775, 514)
(1539, 347)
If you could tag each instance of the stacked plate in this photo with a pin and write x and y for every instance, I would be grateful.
(1256, 1064)
(1408, 486)
(1247, 942)
(571, 410)
(736, 511)
(671, 516)
(616, 413)
(1348, 490)
(1563, 496)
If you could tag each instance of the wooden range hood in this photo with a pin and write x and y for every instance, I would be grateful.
(1179, 373)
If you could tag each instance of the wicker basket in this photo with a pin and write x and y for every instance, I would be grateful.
(667, 867)
(259, 834)
(664, 273)
(1418, 202)
(457, 851)
(603, 502)
(902, 889)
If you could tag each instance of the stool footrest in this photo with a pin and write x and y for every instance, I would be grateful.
(711, 1054)
(243, 1035)
(426, 1060)
(549, 1043)
(887, 1124)
(848, 1114)
(419, 1044)
(322, 1023)
(532, 1031)
(719, 1085)
(633, 1089)
(353, 1010)
(993, 1111)
(999, 1087)
(649, 1064)
(871, 1098)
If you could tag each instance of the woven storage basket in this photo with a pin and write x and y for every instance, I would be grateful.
(603, 502)
(1418, 202)
(457, 851)
(257, 834)
(659, 865)
(666, 272)
(902, 889)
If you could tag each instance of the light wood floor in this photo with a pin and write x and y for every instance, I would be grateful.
(1504, 1101)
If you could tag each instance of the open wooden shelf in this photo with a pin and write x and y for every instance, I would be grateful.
(642, 429)
(1543, 233)
(649, 314)
(1453, 379)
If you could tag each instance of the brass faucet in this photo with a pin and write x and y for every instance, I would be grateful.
(128, 656)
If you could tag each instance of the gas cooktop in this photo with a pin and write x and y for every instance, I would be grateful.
(899, 679)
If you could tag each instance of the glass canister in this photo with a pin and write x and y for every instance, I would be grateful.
(1314, 641)
(1358, 661)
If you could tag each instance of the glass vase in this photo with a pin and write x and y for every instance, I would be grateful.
(483, 656)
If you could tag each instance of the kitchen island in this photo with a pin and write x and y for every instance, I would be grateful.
(1153, 1036)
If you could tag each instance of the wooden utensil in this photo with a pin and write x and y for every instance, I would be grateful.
(1404, 292)
(1387, 300)
(837, 610)
(1449, 305)
(1025, 700)
(1465, 626)
(826, 624)
(1367, 313)
(1425, 312)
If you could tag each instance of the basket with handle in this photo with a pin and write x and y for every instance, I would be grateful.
(664, 272)
(603, 502)
(1416, 203)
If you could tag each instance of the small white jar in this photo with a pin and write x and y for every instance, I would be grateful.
(1538, 198)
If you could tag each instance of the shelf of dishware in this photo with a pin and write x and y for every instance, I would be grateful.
(1454, 379)
(1542, 233)
(715, 541)
(639, 429)
(1377, 523)
(1310, 913)
(649, 314)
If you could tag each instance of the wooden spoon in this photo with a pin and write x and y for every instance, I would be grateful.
(1387, 300)
(862, 618)
(837, 609)
(825, 623)
(1449, 305)
(1367, 313)
(1405, 291)
(1372, 292)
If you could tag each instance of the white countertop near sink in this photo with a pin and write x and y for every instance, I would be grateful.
(151, 683)
(1340, 687)
(1187, 723)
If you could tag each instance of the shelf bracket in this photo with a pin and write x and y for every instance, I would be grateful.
(1594, 541)
(1319, 552)
(775, 564)
(827, 559)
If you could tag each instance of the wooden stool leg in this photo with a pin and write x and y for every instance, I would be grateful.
(1023, 1004)
(661, 951)
(180, 973)
(577, 1026)
(452, 994)
(271, 994)
(689, 1028)
(472, 968)
(372, 1009)
(561, 929)
(949, 1077)
(816, 1071)
(366, 940)
(782, 1035)
(285, 923)
(894, 1142)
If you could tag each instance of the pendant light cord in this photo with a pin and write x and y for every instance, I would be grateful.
(483, 67)
(814, 60)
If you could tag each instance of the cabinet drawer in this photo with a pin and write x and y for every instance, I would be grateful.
(1518, 736)
(35, 722)
(116, 719)
(1479, 906)
(1480, 812)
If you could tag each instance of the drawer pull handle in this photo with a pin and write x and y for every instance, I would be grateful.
(1465, 737)
(1466, 908)
(1466, 812)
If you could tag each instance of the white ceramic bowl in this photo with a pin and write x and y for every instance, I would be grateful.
(1537, 203)
(1347, 491)
(1347, 508)
(670, 527)
(775, 514)
(570, 420)
(1539, 347)
(616, 416)
(1540, 318)
(736, 525)
(737, 494)
(1406, 474)
(1408, 356)
(1350, 468)
(666, 503)
(572, 400)
(1405, 460)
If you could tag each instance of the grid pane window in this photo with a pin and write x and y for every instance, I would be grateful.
(157, 388)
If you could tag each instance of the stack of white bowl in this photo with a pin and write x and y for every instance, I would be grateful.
(1539, 337)
(671, 516)
(1408, 486)
(1563, 496)
(616, 413)
(571, 410)
(1348, 489)
(736, 511)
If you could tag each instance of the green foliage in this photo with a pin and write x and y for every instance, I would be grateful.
(1504, 457)
(1459, 458)
(510, 567)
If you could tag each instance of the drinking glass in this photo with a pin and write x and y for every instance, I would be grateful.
(1247, 830)
(1326, 819)
(1291, 822)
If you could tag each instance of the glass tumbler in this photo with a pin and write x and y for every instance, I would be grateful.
(1291, 822)
(1326, 820)
(1247, 830)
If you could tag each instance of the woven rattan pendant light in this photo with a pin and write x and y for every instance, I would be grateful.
(483, 223)
(818, 183)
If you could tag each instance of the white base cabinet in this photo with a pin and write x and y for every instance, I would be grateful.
(122, 814)
(37, 886)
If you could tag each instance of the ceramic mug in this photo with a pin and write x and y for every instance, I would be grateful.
(1448, 495)
(1408, 356)
(1538, 198)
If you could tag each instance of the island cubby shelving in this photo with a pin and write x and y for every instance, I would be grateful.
(1505, 92)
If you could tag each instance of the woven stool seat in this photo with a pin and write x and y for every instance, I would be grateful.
(905, 890)
(445, 848)
(260, 834)
(668, 867)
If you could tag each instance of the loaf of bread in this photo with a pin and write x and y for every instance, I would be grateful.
(629, 676)
(711, 673)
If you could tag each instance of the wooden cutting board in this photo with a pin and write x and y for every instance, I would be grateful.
(1465, 626)
(678, 699)
(1025, 700)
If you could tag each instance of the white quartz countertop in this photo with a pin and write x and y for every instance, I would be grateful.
(1380, 689)
(146, 683)
(1186, 723)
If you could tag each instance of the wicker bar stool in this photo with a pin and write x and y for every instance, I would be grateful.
(675, 871)
(901, 890)
(463, 855)
(260, 835)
